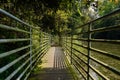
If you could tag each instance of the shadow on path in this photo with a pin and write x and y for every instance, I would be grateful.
(59, 71)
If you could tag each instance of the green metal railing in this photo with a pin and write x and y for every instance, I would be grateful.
(19, 54)
(93, 57)
(93, 48)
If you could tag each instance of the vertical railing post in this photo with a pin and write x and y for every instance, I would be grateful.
(50, 39)
(31, 47)
(40, 39)
(66, 40)
(89, 45)
(63, 40)
(46, 37)
(71, 47)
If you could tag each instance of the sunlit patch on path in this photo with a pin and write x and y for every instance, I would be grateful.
(53, 67)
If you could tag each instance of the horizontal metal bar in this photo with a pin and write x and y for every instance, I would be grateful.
(42, 45)
(106, 66)
(36, 48)
(99, 51)
(110, 55)
(44, 52)
(12, 63)
(80, 52)
(79, 65)
(15, 18)
(20, 76)
(80, 59)
(41, 53)
(66, 47)
(36, 53)
(41, 56)
(83, 46)
(47, 39)
(79, 71)
(91, 77)
(105, 40)
(13, 40)
(13, 51)
(44, 42)
(67, 50)
(43, 49)
(10, 15)
(18, 69)
(106, 53)
(98, 73)
(115, 27)
(26, 69)
(13, 28)
(103, 17)
(27, 75)
(98, 40)
(81, 39)
(36, 60)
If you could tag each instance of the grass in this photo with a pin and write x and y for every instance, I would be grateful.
(111, 48)
(108, 47)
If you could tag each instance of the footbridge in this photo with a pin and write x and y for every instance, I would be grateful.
(75, 55)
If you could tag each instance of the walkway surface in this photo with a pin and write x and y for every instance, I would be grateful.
(53, 66)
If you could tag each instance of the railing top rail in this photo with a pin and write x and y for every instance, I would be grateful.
(26, 45)
(102, 17)
(15, 18)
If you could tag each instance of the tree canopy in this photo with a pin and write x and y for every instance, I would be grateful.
(51, 14)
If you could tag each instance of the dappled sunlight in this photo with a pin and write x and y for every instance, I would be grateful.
(59, 40)
(48, 59)
(53, 66)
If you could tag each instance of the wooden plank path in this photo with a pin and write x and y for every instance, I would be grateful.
(53, 67)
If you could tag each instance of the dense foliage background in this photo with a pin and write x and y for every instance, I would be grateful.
(53, 16)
